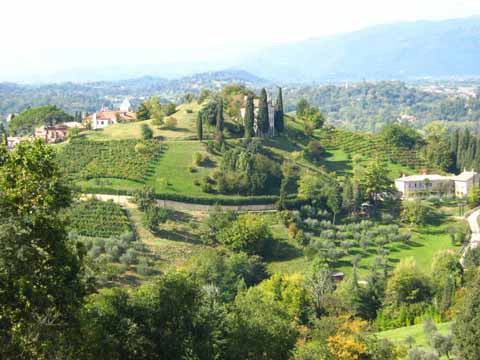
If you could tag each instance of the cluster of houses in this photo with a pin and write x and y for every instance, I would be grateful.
(98, 120)
(106, 117)
(424, 184)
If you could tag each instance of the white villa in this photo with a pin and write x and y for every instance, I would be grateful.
(460, 185)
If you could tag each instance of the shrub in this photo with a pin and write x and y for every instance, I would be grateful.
(189, 111)
(144, 197)
(197, 159)
(192, 169)
(171, 123)
(143, 268)
(115, 252)
(147, 133)
(164, 215)
(129, 258)
(249, 233)
(207, 187)
(211, 147)
(158, 121)
(315, 150)
(95, 251)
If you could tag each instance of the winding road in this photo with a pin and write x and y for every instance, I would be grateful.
(475, 229)
(127, 201)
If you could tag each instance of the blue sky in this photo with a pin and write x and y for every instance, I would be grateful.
(52, 35)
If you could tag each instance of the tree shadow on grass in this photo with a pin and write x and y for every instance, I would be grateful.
(177, 235)
(208, 163)
(177, 129)
(411, 243)
(279, 250)
(180, 216)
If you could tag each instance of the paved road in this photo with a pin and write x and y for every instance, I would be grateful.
(182, 206)
(475, 229)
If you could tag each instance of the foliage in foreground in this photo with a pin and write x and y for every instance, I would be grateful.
(42, 282)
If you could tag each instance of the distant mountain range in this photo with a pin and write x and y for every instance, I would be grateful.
(449, 48)
(90, 96)
(402, 51)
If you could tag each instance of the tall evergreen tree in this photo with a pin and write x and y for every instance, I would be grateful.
(199, 127)
(220, 119)
(454, 140)
(465, 329)
(249, 117)
(278, 115)
(348, 197)
(143, 112)
(3, 135)
(262, 116)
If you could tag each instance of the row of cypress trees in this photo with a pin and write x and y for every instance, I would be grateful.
(465, 150)
(263, 123)
(262, 118)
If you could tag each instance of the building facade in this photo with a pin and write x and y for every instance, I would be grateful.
(425, 184)
(106, 117)
(52, 134)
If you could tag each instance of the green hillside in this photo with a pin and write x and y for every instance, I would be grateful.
(416, 331)
(185, 128)
(171, 169)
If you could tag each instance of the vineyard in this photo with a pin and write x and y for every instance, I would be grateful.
(371, 146)
(123, 159)
(97, 218)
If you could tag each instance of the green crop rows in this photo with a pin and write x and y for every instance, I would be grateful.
(98, 219)
(371, 146)
(124, 159)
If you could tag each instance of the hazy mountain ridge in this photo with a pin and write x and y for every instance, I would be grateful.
(394, 51)
(92, 95)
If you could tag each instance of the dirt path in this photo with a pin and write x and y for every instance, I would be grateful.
(182, 206)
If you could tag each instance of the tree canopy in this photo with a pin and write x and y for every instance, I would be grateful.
(26, 122)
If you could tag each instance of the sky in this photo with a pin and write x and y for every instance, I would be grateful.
(53, 35)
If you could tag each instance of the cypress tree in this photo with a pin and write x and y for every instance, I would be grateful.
(143, 112)
(199, 127)
(278, 115)
(476, 162)
(262, 116)
(3, 135)
(249, 117)
(454, 140)
(220, 119)
(471, 154)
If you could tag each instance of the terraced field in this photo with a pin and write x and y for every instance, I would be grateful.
(370, 146)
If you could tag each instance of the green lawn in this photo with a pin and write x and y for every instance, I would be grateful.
(172, 172)
(416, 331)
